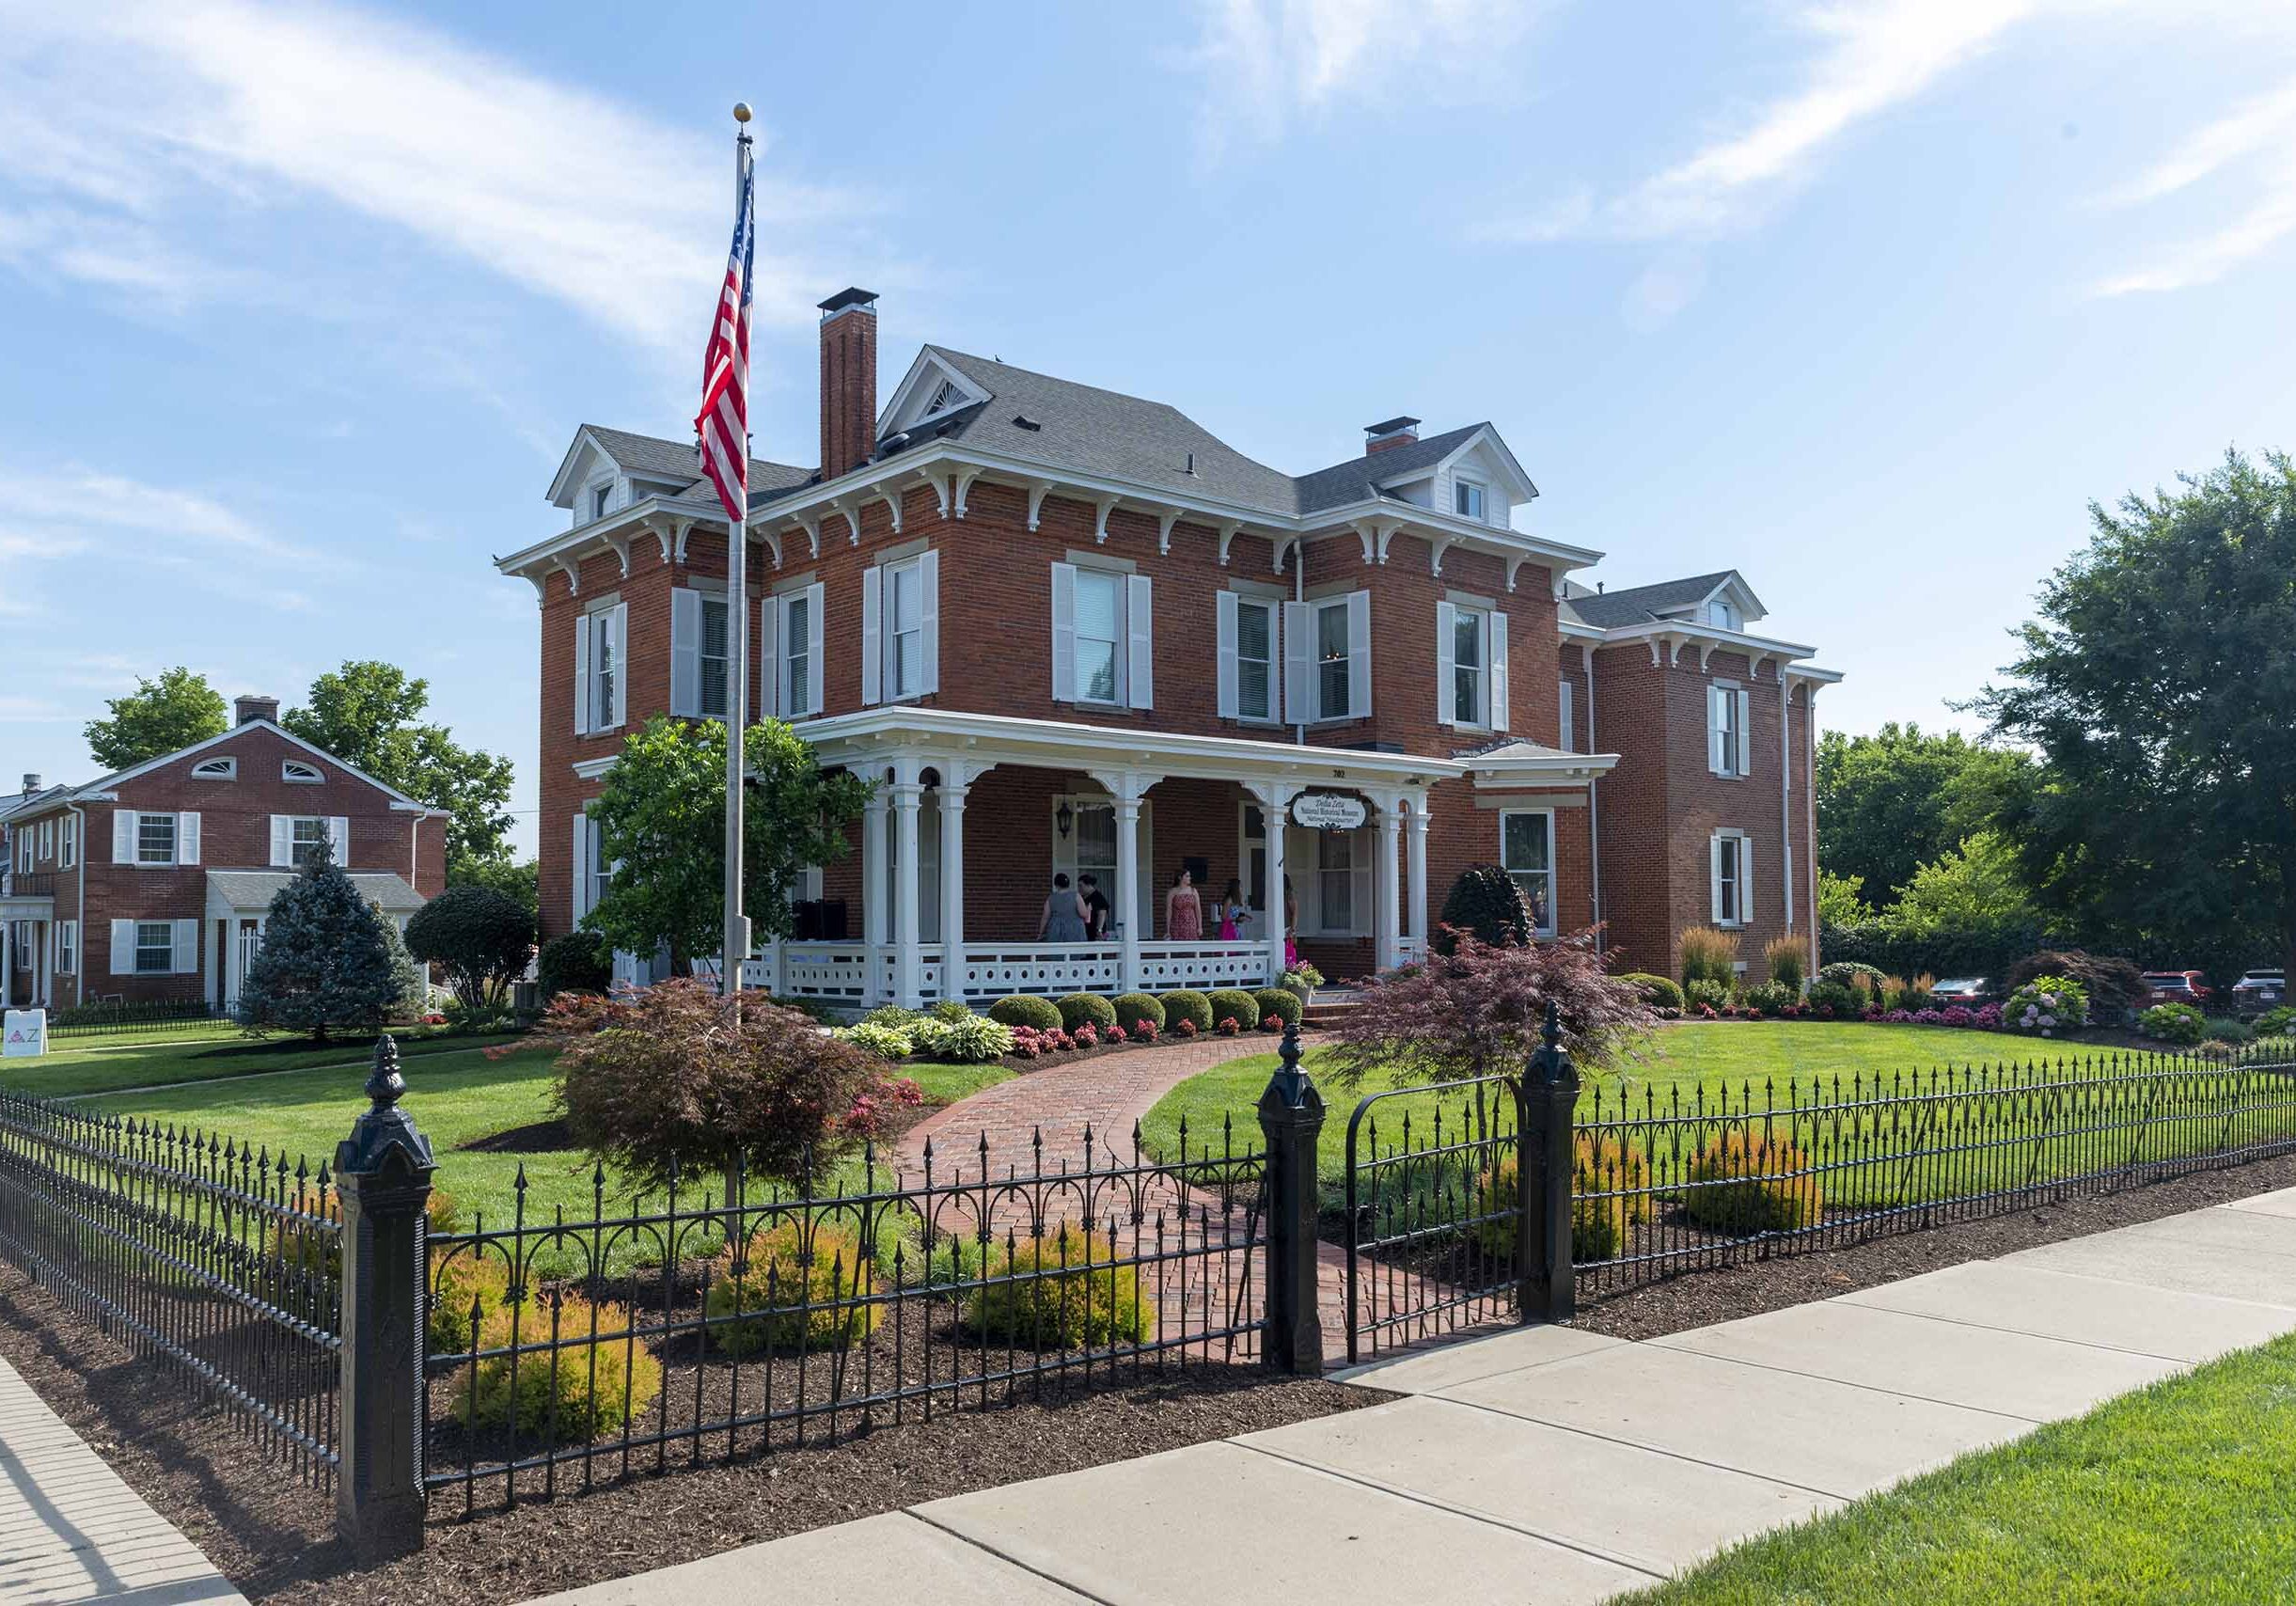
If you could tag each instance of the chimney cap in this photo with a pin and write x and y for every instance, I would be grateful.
(31, 783)
(248, 709)
(1392, 427)
(852, 296)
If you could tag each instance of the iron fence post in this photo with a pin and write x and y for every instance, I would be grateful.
(1292, 1117)
(1546, 1107)
(383, 1176)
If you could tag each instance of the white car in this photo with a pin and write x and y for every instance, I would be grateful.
(2260, 990)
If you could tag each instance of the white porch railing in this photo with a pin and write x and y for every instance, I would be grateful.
(865, 973)
(992, 970)
(1167, 964)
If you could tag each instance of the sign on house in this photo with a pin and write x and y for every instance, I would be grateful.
(23, 1033)
(1327, 812)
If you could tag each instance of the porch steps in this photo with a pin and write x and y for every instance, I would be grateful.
(1325, 1010)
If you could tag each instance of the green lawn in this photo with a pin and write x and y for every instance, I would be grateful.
(104, 1065)
(2177, 1492)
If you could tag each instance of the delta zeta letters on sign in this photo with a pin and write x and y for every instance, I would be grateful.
(26, 1033)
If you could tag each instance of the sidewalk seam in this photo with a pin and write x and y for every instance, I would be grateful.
(1015, 1562)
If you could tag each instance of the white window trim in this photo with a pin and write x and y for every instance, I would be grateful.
(1739, 722)
(1233, 651)
(811, 596)
(215, 769)
(1744, 885)
(174, 841)
(301, 774)
(68, 948)
(137, 949)
(882, 583)
(1116, 580)
(68, 845)
(1552, 873)
(1361, 855)
(1482, 490)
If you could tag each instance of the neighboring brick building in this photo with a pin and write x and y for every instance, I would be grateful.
(1113, 644)
(153, 883)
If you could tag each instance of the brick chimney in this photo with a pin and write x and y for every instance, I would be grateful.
(848, 381)
(1394, 433)
(31, 784)
(247, 709)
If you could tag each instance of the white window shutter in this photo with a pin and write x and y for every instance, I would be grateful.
(1714, 729)
(123, 836)
(1298, 662)
(338, 839)
(1745, 880)
(123, 948)
(873, 649)
(1446, 661)
(1745, 732)
(1499, 671)
(1064, 633)
(1140, 691)
(187, 956)
(582, 630)
(685, 652)
(1223, 613)
(768, 671)
(187, 837)
(1359, 655)
(1566, 737)
(929, 621)
(1714, 853)
(282, 841)
(621, 628)
(819, 644)
(581, 867)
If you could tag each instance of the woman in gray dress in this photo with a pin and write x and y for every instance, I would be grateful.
(1064, 919)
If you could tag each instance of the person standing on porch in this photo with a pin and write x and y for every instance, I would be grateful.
(1233, 913)
(1097, 909)
(1064, 919)
(1182, 909)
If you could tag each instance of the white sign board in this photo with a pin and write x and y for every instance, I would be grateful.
(26, 1033)
(1327, 811)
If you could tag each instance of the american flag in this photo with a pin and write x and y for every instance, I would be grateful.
(723, 423)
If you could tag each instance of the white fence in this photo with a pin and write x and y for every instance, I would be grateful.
(864, 973)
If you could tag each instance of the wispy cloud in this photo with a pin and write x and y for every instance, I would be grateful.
(2256, 140)
(1270, 61)
(562, 191)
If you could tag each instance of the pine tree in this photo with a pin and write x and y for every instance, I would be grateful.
(329, 959)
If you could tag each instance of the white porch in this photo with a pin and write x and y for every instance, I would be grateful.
(913, 946)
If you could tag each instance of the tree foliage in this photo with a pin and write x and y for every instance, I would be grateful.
(1902, 797)
(1488, 904)
(1978, 886)
(1479, 1010)
(515, 879)
(662, 819)
(367, 713)
(1840, 900)
(158, 717)
(479, 938)
(329, 960)
(2157, 686)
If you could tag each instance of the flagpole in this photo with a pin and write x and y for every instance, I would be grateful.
(736, 946)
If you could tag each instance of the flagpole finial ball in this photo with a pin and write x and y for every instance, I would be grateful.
(741, 111)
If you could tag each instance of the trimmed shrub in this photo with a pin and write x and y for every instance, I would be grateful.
(1233, 1003)
(1488, 905)
(2114, 988)
(596, 1379)
(1833, 996)
(1087, 1009)
(877, 1039)
(1745, 1182)
(1133, 1008)
(2173, 1023)
(1850, 973)
(1789, 958)
(1278, 1004)
(2047, 1004)
(796, 1287)
(1189, 1006)
(2216, 1048)
(480, 938)
(575, 963)
(972, 1041)
(1027, 1009)
(1062, 1291)
(952, 1012)
(459, 1281)
(1772, 997)
(1659, 992)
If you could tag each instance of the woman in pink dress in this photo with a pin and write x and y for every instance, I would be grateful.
(1232, 912)
(1183, 911)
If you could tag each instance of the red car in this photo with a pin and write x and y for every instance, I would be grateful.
(2175, 986)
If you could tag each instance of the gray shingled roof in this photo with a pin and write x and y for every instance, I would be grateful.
(1358, 479)
(1640, 604)
(254, 888)
(659, 459)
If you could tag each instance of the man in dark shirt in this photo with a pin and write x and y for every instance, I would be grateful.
(1097, 909)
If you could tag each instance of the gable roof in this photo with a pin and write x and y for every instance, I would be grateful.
(1359, 478)
(103, 783)
(655, 458)
(1640, 604)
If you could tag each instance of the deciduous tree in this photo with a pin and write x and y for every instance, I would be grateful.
(1897, 799)
(158, 717)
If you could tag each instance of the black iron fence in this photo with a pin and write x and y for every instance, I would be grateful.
(222, 1261)
(121, 1019)
(1447, 1229)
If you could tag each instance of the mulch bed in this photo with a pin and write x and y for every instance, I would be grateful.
(1724, 1294)
(273, 1537)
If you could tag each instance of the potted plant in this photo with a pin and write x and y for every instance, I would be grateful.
(1301, 981)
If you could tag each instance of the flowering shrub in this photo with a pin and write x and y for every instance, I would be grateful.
(434, 1018)
(1088, 1036)
(2173, 1023)
(1956, 1015)
(1899, 1017)
(1989, 1018)
(867, 1118)
(1706, 1011)
(1118, 1035)
(1144, 1032)
(1228, 1027)
(1271, 1023)
(2047, 1004)
(1188, 1027)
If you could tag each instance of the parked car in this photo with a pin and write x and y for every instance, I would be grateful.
(2260, 990)
(2175, 986)
(1968, 990)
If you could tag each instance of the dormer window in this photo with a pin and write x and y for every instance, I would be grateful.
(215, 769)
(1723, 615)
(599, 496)
(1467, 499)
(946, 400)
(301, 773)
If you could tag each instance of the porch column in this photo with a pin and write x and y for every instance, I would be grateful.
(908, 983)
(1387, 912)
(1418, 871)
(1275, 800)
(952, 881)
(874, 923)
(8, 964)
(1127, 787)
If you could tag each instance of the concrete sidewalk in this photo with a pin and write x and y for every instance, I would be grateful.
(1550, 1465)
(70, 1531)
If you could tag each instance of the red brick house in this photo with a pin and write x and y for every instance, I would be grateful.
(152, 884)
(1069, 631)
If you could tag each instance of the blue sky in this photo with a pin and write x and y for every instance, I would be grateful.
(300, 306)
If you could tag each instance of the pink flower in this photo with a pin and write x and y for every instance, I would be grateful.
(1228, 1026)
(1145, 1031)
(1188, 1027)
(1118, 1035)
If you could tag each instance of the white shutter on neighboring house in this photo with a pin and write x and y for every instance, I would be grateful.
(1359, 655)
(1499, 671)
(123, 836)
(282, 841)
(1064, 633)
(187, 837)
(186, 955)
(929, 621)
(1223, 614)
(338, 839)
(581, 867)
(1714, 730)
(123, 948)
(768, 671)
(1745, 732)
(873, 650)
(1568, 737)
(1446, 662)
(817, 647)
(1298, 664)
(685, 652)
(620, 629)
(1140, 666)
(582, 674)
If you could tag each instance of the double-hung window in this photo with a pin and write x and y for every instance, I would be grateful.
(1728, 708)
(155, 948)
(899, 630)
(155, 840)
(1255, 659)
(1100, 636)
(603, 666)
(68, 948)
(1469, 665)
(69, 842)
(798, 657)
(47, 839)
(1526, 853)
(1332, 688)
(308, 840)
(712, 657)
(1335, 869)
(904, 630)
(601, 644)
(1466, 498)
(1731, 867)
(599, 495)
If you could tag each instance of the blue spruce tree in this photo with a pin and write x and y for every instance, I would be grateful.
(330, 960)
